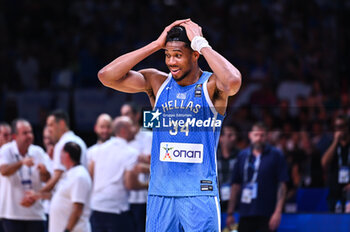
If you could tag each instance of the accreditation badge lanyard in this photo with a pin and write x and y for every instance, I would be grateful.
(250, 189)
(26, 180)
(344, 171)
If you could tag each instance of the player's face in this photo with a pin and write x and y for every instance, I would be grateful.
(179, 59)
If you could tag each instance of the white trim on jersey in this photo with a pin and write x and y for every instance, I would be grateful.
(206, 94)
(219, 214)
(160, 90)
(210, 103)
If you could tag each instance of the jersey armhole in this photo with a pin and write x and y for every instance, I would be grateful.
(160, 90)
(207, 98)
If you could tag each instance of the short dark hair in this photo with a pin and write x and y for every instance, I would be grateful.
(134, 107)
(344, 118)
(178, 33)
(60, 115)
(259, 125)
(74, 151)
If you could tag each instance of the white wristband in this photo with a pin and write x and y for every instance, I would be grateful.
(199, 42)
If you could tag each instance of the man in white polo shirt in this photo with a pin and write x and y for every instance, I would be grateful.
(103, 131)
(58, 125)
(19, 165)
(69, 210)
(143, 143)
(113, 176)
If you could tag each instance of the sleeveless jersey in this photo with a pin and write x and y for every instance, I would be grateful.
(183, 157)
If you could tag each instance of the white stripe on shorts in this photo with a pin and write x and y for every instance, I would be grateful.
(218, 213)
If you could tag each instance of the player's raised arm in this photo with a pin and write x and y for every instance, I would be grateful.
(228, 78)
(118, 74)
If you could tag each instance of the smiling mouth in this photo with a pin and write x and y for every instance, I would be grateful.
(174, 70)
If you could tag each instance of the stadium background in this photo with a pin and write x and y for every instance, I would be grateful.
(293, 56)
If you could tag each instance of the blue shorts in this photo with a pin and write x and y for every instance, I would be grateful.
(199, 213)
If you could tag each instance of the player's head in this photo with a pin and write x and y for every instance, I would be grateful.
(258, 136)
(179, 56)
(103, 127)
(178, 33)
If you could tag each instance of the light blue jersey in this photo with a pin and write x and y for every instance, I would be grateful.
(184, 147)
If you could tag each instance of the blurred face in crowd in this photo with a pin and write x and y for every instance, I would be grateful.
(54, 128)
(48, 144)
(5, 135)
(124, 128)
(180, 59)
(24, 136)
(341, 126)
(65, 159)
(103, 127)
(228, 137)
(130, 131)
(258, 137)
(126, 110)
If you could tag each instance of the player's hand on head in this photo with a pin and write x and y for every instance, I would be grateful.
(192, 29)
(162, 38)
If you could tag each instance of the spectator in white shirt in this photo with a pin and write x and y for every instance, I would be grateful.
(69, 209)
(103, 131)
(19, 164)
(143, 143)
(114, 175)
(58, 125)
(5, 137)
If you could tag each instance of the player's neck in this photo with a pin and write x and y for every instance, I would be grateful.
(191, 78)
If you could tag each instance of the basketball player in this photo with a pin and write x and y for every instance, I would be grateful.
(183, 193)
